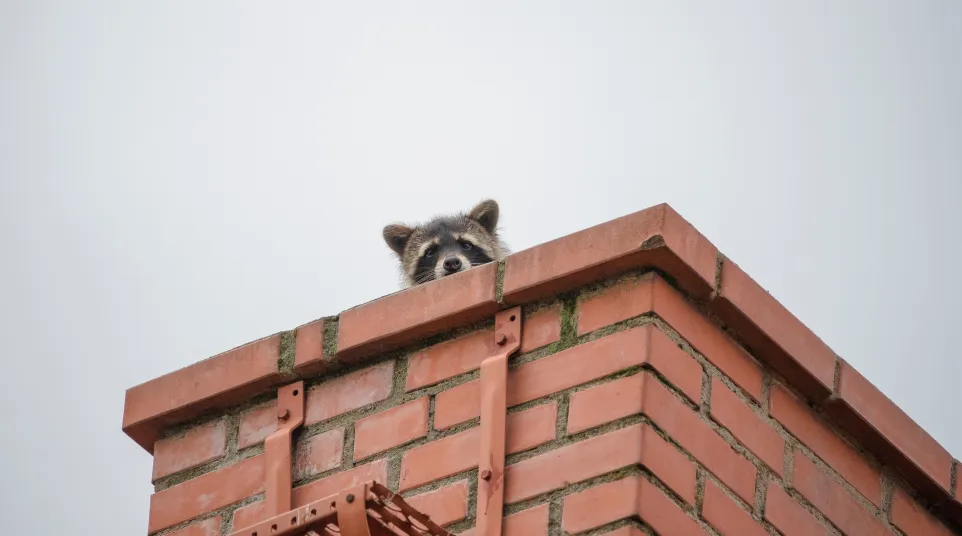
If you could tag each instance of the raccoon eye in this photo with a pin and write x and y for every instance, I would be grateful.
(431, 251)
(467, 245)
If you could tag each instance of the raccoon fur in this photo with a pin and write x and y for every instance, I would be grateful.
(446, 245)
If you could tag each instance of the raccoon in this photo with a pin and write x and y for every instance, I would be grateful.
(447, 244)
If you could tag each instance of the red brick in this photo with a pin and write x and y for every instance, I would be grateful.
(605, 403)
(209, 527)
(459, 452)
(445, 505)
(912, 519)
(574, 463)
(788, 516)
(452, 358)
(623, 301)
(726, 515)
(219, 381)
(417, 312)
(541, 328)
(881, 418)
(196, 446)
(256, 424)
(391, 428)
(696, 436)
(651, 293)
(596, 456)
(377, 470)
(774, 333)
(327, 486)
(325, 401)
(657, 510)
(573, 367)
(318, 454)
(832, 500)
(673, 363)
(669, 465)
(309, 355)
(206, 493)
(578, 365)
(350, 392)
(747, 427)
(707, 339)
(620, 398)
(248, 515)
(600, 505)
(657, 236)
(459, 404)
(532, 427)
(530, 522)
(802, 423)
(452, 414)
(622, 499)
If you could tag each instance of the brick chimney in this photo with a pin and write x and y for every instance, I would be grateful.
(656, 389)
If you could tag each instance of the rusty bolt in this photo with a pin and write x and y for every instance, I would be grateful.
(283, 414)
(350, 497)
(500, 338)
(486, 474)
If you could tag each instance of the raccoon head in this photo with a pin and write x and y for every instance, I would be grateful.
(447, 244)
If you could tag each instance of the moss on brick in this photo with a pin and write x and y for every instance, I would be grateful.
(531, 308)
(719, 261)
(330, 337)
(569, 321)
(499, 282)
(285, 357)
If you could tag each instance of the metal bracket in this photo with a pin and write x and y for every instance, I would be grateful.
(277, 448)
(494, 380)
(352, 511)
(368, 509)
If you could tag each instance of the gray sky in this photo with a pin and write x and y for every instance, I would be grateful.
(178, 178)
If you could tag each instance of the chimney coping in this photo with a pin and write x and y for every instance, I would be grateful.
(655, 238)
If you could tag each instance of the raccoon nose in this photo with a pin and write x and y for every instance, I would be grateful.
(452, 264)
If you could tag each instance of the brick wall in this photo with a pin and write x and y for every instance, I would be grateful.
(658, 390)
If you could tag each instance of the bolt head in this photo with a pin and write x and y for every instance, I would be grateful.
(350, 497)
(486, 474)
(500, 338)
(283, 414)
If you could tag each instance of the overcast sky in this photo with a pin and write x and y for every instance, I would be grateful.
(178, 178)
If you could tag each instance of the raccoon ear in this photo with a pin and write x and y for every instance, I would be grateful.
(396, 236)
(486, 213)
